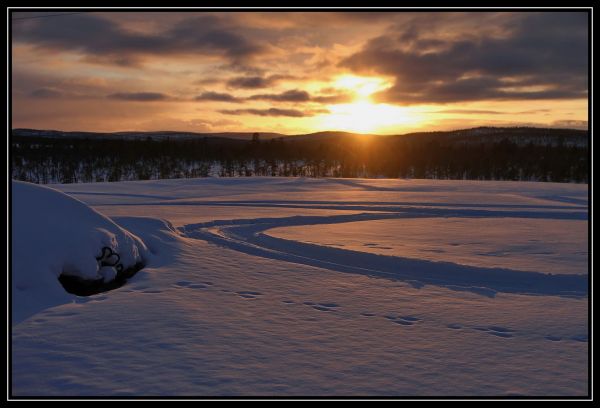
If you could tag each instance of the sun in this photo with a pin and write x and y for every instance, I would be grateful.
(363, 115)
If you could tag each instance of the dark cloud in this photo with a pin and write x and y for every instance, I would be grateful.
(296, 95)
(293, 95)
(256, 82)
(532, 111)
(249, 82)
(207, 81)
(333, 99)
(471, 111)
(217, 97)
(212, 35)
(539, 56)
(490, 112)
(51, 92)
(139, 96)
(270, 112)
(101, 39)
(47, 93)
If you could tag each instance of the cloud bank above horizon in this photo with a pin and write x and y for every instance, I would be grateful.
(298, 72)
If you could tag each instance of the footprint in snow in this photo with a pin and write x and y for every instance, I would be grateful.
(500, 329)
(192, 285)
(496, 331)
(553, 338)
(582, 338)
(248, 294)
(402, 320)
(323, 307)
(454, 326)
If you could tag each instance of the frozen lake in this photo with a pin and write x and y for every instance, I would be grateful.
(297, 287)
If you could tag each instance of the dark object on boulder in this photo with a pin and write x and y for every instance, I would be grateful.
(110, 258)
(86, 287)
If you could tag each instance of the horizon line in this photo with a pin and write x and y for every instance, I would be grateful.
(309, 133)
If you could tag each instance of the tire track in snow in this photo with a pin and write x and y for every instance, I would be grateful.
(248, 236)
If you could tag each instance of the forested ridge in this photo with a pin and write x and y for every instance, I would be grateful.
(529, 154)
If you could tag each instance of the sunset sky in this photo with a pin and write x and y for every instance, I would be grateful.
(298, 72)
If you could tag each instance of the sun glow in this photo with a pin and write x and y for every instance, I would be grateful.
(364, 115)
(362, 87)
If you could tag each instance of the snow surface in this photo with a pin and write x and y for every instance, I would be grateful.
(55, 234)
(275, 286)
(557, 246)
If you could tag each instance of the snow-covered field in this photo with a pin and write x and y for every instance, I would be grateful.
(292, 287)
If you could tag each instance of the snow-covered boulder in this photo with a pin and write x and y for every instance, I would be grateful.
(56, 235)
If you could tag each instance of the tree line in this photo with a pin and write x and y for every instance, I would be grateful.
(83, 160)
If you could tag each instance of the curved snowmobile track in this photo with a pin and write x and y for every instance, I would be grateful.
(250, 236)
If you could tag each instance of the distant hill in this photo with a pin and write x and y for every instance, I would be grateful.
(519, 135)
(329, 135)
(158, 135)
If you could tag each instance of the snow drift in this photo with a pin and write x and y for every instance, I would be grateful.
(54, 234)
